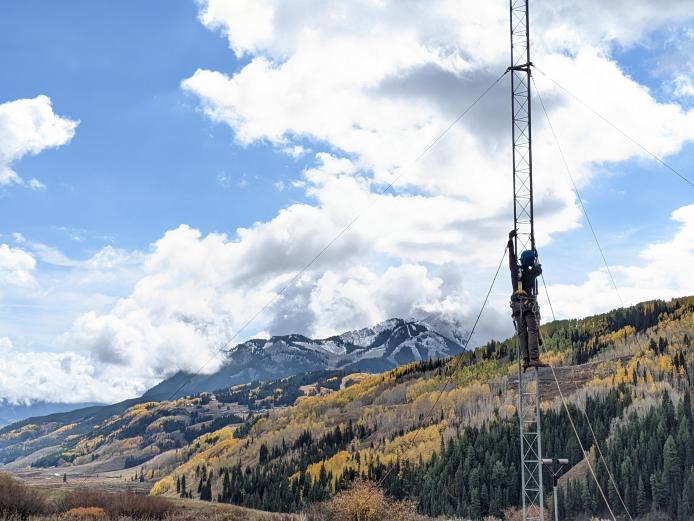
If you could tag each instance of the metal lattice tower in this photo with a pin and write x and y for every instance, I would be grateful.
(528, 386)
(521, 130)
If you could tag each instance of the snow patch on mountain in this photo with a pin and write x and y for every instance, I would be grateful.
(447, 326)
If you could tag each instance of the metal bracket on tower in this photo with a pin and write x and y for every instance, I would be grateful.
(523, 219)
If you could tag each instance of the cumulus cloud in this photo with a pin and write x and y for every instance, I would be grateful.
(664, 272)
(683, 86)
(276, 28)
(378, 82)
(350, 299)
(197, 291)
(42, 290)
(16, 267)
(200, 290)
(45, 300)
(28, 126)
(64, 377)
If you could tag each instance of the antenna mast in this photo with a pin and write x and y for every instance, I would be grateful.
(523, 223)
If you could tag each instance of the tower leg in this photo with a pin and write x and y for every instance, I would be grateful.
(523, 223)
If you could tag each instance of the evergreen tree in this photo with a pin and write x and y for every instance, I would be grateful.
(671, 481)
(206, 490)
(585, 495)
(263, 458)
(684, 508)
(658, 491)
(475, 510)
(642, 504)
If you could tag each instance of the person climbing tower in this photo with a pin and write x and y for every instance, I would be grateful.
(524, 308)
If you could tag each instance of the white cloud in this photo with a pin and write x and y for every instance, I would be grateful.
(605, 23)
(683, 86)
(223, 180)
(199, 290)
(16, 267)
(354, 298)
(277, 28)
(664, 272)
(247, 22)
(38, 301)
(65, 377)
(28, 126)
(295, 151)
(41, 299)
(379, 81)
(35, 184)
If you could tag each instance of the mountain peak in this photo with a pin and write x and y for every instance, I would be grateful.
(385, 345)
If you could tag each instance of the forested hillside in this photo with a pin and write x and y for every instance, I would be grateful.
(288, 443)
(456, 452)
(151, 438)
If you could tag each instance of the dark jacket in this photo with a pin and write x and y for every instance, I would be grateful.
(522, 278)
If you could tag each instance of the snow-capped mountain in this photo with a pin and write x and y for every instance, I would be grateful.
(373, 349)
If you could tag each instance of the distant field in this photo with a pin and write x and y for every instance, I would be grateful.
(52, 480)
(190, 511)
(45, 497)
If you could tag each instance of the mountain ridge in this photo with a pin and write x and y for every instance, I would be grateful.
(12, 413)
(374, 349)
(194, 384)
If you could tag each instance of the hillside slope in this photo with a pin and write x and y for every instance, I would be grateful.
(283, 444)
(125, 435)
(399, 429)
(374, 349)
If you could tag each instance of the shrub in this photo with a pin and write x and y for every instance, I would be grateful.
(516, 514)
(513, 514)
(85, 513)
(363, 501)
(120, 504)
(18, 500)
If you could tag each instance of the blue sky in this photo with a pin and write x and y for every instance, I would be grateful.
(274, 124)
(143, 160)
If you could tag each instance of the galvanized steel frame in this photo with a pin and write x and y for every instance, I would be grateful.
(523, 219)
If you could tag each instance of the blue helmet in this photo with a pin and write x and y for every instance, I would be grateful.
(527, 258)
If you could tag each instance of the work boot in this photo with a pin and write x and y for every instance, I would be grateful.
(536, 362)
